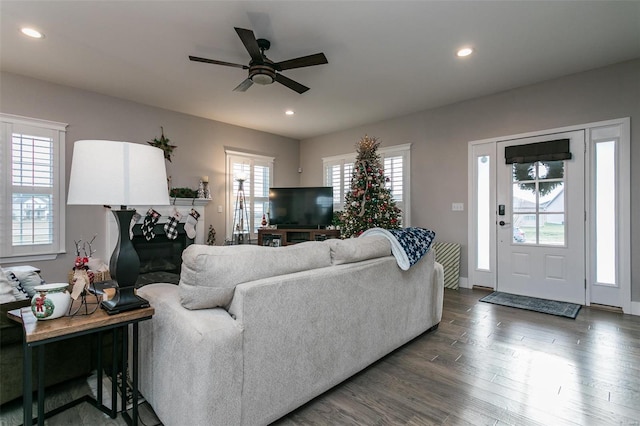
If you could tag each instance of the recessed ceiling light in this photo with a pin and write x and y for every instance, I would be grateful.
(465, 51)
(31, 32)
(289, 112)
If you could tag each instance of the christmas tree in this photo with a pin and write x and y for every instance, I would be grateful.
(369, 203)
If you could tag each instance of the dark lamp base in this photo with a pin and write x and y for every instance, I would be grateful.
(125, 300)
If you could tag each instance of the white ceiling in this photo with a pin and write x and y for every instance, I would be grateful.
(386, 58)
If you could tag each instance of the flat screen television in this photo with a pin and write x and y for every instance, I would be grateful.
(301, 207)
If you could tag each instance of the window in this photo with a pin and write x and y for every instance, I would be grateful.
(256, 171)
(396, 160)
(483, 208)
(539, 203)
(605, 211)
(337, 174)
(32, 186)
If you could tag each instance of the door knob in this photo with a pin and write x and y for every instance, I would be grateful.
(503, 223)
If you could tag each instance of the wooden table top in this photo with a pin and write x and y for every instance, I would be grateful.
(36, 330)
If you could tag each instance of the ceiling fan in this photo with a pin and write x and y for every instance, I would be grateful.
(263, 70)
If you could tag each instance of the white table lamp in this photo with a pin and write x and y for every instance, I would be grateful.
(119, 174)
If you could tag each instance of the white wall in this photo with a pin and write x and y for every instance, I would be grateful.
(200, 149)
(440, 137)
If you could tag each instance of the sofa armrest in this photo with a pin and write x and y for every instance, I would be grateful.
(190, 361)
(10, 306)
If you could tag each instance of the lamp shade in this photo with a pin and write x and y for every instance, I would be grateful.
(117, 173)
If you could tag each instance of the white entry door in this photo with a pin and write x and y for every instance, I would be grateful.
(541, 223)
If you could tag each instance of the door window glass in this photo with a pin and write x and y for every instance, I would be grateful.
(538, 203)
(605, 195)
(484, 212)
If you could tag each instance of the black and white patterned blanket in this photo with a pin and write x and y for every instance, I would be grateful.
(408, 245)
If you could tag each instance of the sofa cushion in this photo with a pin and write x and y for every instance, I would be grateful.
(210, 274)
(358, 249)
(28, 276)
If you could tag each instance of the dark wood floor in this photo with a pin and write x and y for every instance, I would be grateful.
(493, 365)
(484, 365)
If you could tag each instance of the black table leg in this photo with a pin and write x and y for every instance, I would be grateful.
(134, 373)
(41, 385)
(114, 374)
(99, 376)
(123, 371)
(27, 390)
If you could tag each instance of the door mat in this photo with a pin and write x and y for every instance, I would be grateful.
(551, 307)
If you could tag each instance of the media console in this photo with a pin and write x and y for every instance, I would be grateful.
(284, 237)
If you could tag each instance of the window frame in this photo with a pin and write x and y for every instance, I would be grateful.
(403, 151)
(10, 124)
(253, 160)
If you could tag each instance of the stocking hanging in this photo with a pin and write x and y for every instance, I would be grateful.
(190, 226)
(149, 222)
(171, 227)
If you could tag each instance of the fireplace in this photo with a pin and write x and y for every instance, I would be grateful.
(160, 257)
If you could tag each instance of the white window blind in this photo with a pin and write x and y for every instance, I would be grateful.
(258, 171)
(32, 182)
(393, 170)
(32, 164)
(338, 176)
(396, 162)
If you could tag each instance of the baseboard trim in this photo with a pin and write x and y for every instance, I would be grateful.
(635, 308)
(464, 282)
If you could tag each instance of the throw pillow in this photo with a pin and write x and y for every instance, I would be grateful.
(210, 273)
(354, 250)
(6, 291)
(28, 276)
(18, 291)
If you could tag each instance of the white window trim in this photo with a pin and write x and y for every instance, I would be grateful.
(403, 150)
(41, 252)
(230, 198)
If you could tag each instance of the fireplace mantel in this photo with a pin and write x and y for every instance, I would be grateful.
(183, 205)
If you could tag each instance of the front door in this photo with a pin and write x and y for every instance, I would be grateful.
(541, 223)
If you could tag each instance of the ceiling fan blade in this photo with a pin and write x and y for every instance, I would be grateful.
(250, 43)
(304, 61)
(293, 85)
(213, 61)
(242, 87)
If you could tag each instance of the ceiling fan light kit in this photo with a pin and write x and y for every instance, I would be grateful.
(262, 70)
(262, 74)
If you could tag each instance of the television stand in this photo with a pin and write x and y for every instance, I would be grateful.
(284, 237)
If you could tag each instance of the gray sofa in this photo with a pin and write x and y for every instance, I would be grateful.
(251, 333)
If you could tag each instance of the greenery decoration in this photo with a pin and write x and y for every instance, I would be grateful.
(163, 144)
(369, 203)
(183, 193)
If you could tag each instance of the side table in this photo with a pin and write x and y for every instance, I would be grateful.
(38, 333)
